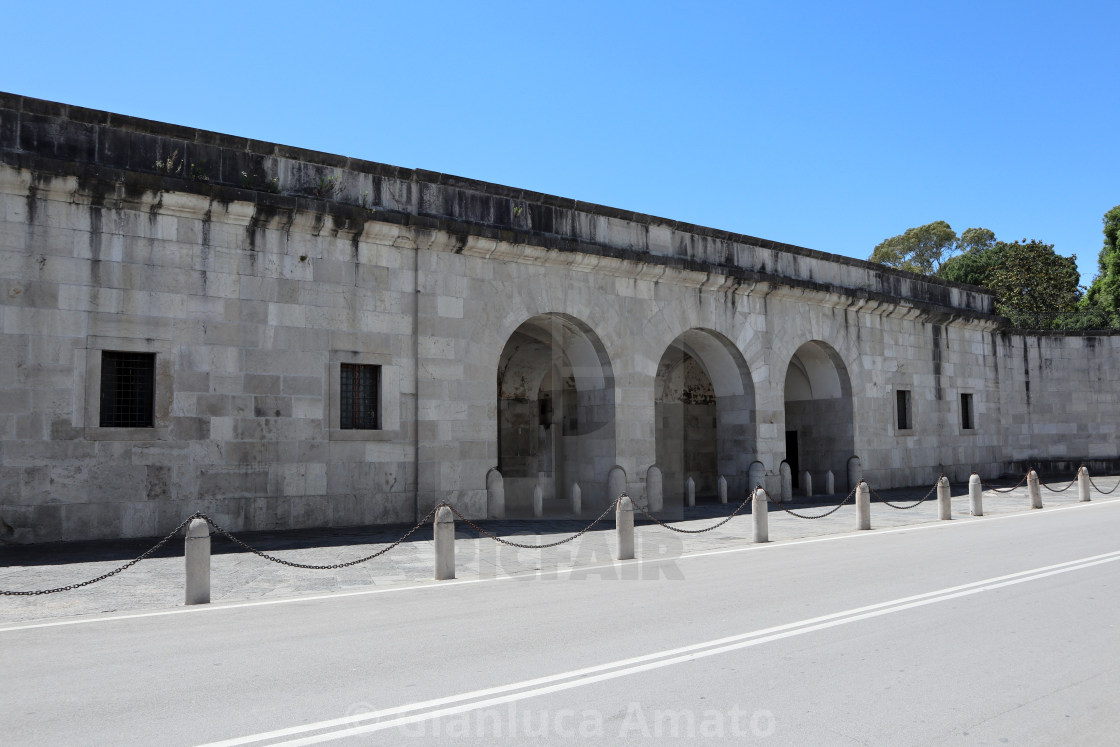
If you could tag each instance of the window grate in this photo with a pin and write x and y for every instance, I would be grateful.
(359, 389)
(905, 418)
(967, 421)
(127, 389)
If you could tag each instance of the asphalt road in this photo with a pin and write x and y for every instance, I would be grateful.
(1004, 630)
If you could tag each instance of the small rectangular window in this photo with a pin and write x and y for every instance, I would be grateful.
(905, 421)
(360, 389)
(128, 384)
(967, 421)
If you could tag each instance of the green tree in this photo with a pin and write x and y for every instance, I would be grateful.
(920, 249)
(1030, 281)
(1104, 293)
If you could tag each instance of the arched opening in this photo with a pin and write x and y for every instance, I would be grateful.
(818, 397)
(704, 414)
(555, 415)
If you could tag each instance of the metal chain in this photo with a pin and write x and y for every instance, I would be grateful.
(110, 574)
(672, 528)
(1105, 492)
(522, 546)
(919, 502)
(307, 566)
(803, 516)
(1055, 490)
(1005, 490)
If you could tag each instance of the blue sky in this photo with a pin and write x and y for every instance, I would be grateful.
(828, 125)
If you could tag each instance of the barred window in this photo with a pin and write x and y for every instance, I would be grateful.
(905, 417)
(128, 384)
(360, 388)
(967, 420)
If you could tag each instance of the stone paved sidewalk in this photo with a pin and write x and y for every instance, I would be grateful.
(157, 582)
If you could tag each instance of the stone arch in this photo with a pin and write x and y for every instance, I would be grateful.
(704, 411)
(555, 392)
(819, 413)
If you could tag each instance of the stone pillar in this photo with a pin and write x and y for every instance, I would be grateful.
(944, 499)
(855, 472)
(444, 529)
(1033, 490)
(690, 492)
(624, 527)
(787, 483)
(616, 484)
(756, 475)
(197, 556)
(829, 483)
(863, 506)
(761, 516)
(975, 495)
(655, 497)
(721, 487)
(807, 484)
(538, 501)
(1083, 483)
(577, 499)
(495, 495)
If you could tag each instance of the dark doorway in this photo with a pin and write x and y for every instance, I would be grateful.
(791, 457)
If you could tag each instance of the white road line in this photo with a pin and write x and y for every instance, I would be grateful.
(558, 573)
(476, 699)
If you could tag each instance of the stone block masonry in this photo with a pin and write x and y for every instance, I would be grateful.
(281, 338)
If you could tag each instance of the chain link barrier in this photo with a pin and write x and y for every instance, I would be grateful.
(1005, 490)
(110, 574)
(1057, 490)
(717, 525)
(838, 506)
(915, 504)
(1103, 492)
(525, 546)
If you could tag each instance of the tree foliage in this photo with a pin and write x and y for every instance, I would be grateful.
(1105, 291)
(1029, 278)
(920, 249)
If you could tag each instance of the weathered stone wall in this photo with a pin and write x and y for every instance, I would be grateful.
(253, 293)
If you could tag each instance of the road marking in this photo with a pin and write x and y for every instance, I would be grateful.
(554, 574)
(455, 704)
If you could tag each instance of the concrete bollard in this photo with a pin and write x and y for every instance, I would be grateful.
(721, 487)
(577, 499)
(975, 495)
(538, 501)
(197, 555)
(863, 506)
(759, 510)
(807, 484)
(624, 527)
(829, 483)
(655, 496)
(495, 494)
(944, 499)
(1083, 484)
(690, 492)
(756, 475)
(855, 472)
(444, 529)
(786, 492)
(1033, 490)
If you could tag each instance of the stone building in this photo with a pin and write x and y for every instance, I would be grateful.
(282, 338)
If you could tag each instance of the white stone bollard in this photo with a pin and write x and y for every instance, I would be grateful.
(690, 492)
(975, 495)
(197, 555)
(855, 472)
(538, 501)
(721, 487)
(655, 496)
(756, 475)
(807, 484)
(1083, 484)
(759, 510)
(944, 499)
(444, 530)
(624, 527)
(495, 494)
(786, 492)
(1033, 490)
(863, 506)
(829, 483)
(577, 499)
